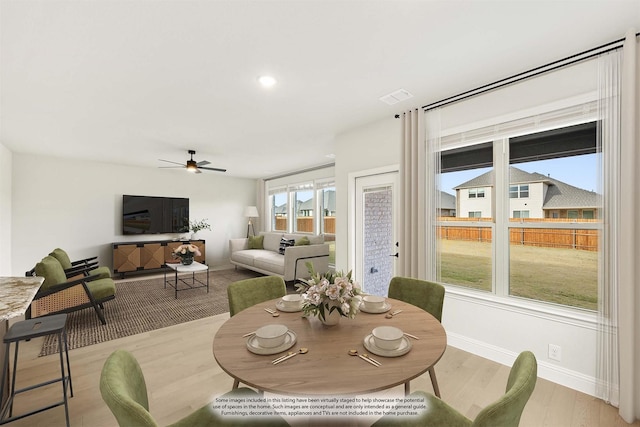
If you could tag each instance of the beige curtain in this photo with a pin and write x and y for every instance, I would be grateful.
(261, 204)
(411, 236)
(611, 246)
(629, 268)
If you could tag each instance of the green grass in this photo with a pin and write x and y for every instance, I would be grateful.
(561, 276)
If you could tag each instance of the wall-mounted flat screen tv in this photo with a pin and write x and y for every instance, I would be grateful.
(154, 215)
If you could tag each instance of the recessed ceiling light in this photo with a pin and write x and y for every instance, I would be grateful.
(267, 81)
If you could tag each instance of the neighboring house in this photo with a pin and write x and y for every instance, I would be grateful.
(306, 208)
(532, 195)
(447, 204)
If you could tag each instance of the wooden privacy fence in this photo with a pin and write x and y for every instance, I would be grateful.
(305, 224)
(568, 238)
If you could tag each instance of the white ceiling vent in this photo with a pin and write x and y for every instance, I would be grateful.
(395, 97)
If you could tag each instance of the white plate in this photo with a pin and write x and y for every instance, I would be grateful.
(369, 344)
(280, 306)
(254, 347)
(386, 307)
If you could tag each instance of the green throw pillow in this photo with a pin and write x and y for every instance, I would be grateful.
(255, 242)
(303, 241)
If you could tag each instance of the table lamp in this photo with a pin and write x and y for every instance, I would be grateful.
(251, 212)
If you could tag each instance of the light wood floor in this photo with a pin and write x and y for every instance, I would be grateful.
(182, 376)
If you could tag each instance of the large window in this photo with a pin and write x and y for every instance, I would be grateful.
(326, 193)
(311, 206)
(278, 200)
(304, 208)
(540, 213)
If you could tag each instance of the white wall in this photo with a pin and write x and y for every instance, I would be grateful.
(368, 147)
(77, 205)
(5, 211)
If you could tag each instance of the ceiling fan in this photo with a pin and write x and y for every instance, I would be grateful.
(192, 165)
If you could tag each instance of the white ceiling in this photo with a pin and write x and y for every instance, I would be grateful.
(131, 82)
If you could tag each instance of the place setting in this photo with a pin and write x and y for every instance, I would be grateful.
(290, 303)
(270, 339)
(388, 341)
(374, 304)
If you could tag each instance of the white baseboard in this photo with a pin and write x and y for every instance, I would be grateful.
(553, 373)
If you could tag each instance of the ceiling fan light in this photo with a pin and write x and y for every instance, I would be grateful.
(191, 166)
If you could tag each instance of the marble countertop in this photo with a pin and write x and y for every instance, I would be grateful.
(16, 293)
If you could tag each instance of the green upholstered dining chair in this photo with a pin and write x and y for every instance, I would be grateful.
(246, 293)
(124, 389)
(249, 292)
(429, 296)
(504, 412)
(89, 266)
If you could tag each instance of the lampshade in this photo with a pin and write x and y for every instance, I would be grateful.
(251, 212)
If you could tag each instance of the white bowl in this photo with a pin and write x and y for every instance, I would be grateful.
(387, 337)
(292, 300)
(270, 336)
(373, 302)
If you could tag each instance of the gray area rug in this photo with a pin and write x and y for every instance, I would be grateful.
(144, 305)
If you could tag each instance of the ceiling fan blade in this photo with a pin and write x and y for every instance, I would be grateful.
(170, 167)
(215, 169)
(169, 161)
(197, 171)
(203, 163)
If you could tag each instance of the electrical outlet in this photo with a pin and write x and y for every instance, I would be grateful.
(555, 352)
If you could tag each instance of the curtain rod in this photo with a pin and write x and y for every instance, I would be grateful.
(328, 165)
(617, 44)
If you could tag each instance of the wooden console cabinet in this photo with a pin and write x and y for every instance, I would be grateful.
(148, 256)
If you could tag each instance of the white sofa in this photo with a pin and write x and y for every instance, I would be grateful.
(291, 265)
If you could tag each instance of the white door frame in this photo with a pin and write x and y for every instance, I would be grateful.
(352, 220)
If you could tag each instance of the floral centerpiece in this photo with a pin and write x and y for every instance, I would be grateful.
(330, 292)
(186, 253)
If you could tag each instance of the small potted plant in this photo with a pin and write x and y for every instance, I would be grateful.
(195, 226)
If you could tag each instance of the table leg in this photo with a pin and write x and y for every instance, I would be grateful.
(176, 282)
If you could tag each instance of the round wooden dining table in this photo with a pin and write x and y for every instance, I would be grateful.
(328, 368)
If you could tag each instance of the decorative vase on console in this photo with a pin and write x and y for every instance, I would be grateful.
(196, 226)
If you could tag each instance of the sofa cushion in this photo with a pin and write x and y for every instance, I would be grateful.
(304, 240)
(270, 261)
(256, 242)
(272, 241)
(314, 239)
(284, 244)
(246, 256)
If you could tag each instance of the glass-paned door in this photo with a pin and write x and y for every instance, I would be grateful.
(376, 231)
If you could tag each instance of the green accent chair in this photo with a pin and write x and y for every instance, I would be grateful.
(61, 294)
(124, 390)
(429, 296)
(72, 267)
(249, 292)
(504, 412)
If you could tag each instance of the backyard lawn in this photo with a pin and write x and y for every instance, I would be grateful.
(562, 276)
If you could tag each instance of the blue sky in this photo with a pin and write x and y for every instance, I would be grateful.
(579, 171)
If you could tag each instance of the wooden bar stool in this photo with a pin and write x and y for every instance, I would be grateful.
(26, 330)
